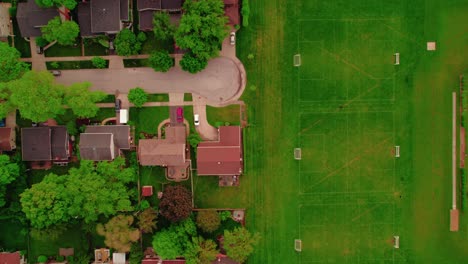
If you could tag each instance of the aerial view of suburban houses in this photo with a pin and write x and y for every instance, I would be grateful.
(233, 131)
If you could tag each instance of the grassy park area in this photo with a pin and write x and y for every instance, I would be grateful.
(347, 106)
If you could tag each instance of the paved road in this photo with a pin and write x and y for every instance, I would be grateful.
(218, 83)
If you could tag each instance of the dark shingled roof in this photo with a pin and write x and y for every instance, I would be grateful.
(97, 146)
(59, 139)
(121, 134)
(171, 5)
(222, 157)
(84, 19)
(124, 10)
(146, 20)
(149, 4)
(44, 143)
(31, 18)
(232, 12)
(105, 16)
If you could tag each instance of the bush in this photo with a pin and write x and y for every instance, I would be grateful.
(12, 11)
(136, 254)
(137, 96)
(225, 215)
(161, 61)
(99, 62)
(42, 259)
(192, 63)
(71, 127)
(245, 13)
(141, 36)
(144, 205)
(55, 64)
(208, 220)
(253, 87)
(69, 259)
(41, 42)
(60, 258)
(250, 56)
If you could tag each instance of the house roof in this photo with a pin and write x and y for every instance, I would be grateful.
(149, 5)
(105, 16)
(146, 20)
(222, 157)
(159, 152)
(84, 19)
(97, 146)
(171, 5)
(176, 134)
(36, 143)
(232, 12)
(231, 2)
(124, 10)
(59, 141)
(121, 134)
(6, 143)
(31, 18)
(10, 258)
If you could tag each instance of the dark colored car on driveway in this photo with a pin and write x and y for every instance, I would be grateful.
(180, 115)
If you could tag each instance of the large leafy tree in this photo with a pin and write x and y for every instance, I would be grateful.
(176, 203)
(11, 67)
(147, 220)
(192, 63)
(126, 43)
(239, 243)
(118, 233)
(137, 96)
(36, 96)
(9, 171)
(85, 193)
(70, 4)
(200, 251)
(81, 100)
(173, 242)
(208, 220)
(64, 32)
(202, 28)
(162, 27)
(161, 61)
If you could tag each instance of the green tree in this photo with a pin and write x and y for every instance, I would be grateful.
(200, 251)
(239, 243)
(64, 32)
(202, 28)
(81, 100)
(137, 96)
(193, 139)
(147, 220)
(9, 171)
(192, 63)
(70, 4)
(126, 43)
(161, 61)
(162, 27)
(136, 254)
(245, 13)
(141, 37)
(11, 67)
(176, 203)
(36, 96)
(99, 62)
(208, 220)
(118, 233)
(172, 242)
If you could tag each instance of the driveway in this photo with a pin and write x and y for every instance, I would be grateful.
(219, 83)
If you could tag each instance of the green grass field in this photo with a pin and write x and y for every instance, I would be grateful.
(347, 106)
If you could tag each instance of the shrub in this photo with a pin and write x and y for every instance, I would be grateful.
(208, 220)
(99, 62)
(41, 42)
(55, 64)
(245, 13)
(137, 96)
(237, 26)
(253, 87)
(161, 61)
(12, 11)
(141, 36)
(42, 259)
(144, 205)
(192, 64)
(136, 254)
(69, 259)
(60, 258)
(225, 215)
(250, 56)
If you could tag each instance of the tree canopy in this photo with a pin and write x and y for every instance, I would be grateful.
(64, 32)
(172, 242)
(147, 220)
(162, 27)
(192, 63)
(99, 62)
(70, 4)
(208, 220)
(9, 171)
(137, 96)
(239, 243)
(202, 28)
(126, 43)
(81, 100)
(176, 203)
(85, 193)
(118, 233)
(200, 251)
(11, 67)
(161, 61)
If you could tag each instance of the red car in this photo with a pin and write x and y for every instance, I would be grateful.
(180, 114)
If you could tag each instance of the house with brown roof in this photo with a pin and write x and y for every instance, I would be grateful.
(7, 139)
(103, 16)
(224, 156)
(170, 152)
(104, 142)
(31, 18)
(48, 143)
(147, 8)
(231, 10)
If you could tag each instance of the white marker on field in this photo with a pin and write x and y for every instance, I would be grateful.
(397, 151)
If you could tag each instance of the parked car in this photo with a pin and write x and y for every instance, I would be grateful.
(232, 38)
(196, 119)
(56, 72)
(180, 115)
(118, 105)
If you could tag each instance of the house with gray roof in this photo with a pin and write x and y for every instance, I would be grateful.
(104, 142)
(97, 17)
(31, 18)
(147, 8)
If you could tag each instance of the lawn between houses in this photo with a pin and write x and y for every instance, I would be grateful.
(347, 106)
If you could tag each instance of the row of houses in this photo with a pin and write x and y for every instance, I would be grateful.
(97, 17)
(53, 145)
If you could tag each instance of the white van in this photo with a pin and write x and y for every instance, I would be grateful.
(196, 119)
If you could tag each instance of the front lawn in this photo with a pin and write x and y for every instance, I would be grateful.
(147, 119)
(135, 63)
(63, 51)
(228, 115)
(158, 97)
